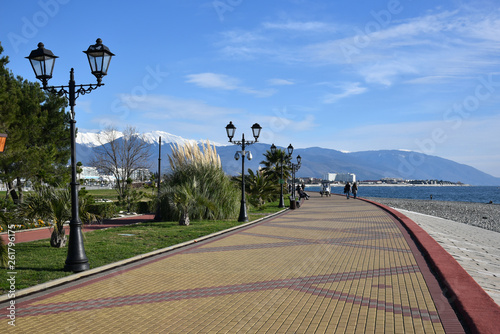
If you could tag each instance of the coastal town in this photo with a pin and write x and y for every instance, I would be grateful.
(339, 179)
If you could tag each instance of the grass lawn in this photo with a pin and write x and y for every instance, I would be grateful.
(104, 193)
(37, 262)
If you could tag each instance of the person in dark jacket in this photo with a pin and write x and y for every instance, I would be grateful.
(354, 189)
(347, 189)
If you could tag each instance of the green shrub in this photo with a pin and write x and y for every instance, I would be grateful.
(144, 207)
(197, 186)
(103, 210)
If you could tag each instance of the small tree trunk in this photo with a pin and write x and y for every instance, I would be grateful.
(20, 189)
(58, 238)
(12, 191)
(184, 220)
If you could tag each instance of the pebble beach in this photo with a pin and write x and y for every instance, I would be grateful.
(482, 215)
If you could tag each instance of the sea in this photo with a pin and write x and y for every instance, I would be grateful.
(478, 194)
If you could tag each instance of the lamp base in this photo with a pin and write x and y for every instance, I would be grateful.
(77, 267)
(243, 213)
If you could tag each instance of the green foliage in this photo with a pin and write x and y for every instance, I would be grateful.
(197, 187)
(144, 207)
(259, 187)
(49, 204)
(38, 145)
(85, 200)
(129, 196)
(104, 210)
(7, 204)
(272, 169)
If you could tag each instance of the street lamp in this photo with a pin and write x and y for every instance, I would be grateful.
(3, 139)
(230, 130)
(42, 61)
(273, 152)
(294, 167)
(158, 205)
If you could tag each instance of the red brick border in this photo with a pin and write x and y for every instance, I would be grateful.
(474, 305)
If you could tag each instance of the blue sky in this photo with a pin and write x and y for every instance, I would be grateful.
(346, 75)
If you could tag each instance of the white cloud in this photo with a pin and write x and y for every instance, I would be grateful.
(280, 82)
(225, 82)
(243, 37)
(348, 89)
(213, 80)
(161, 107)
(310, 26)
(445, 44)
(386, 72)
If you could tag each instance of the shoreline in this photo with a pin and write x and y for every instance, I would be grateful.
(392, 185)
(486, 216)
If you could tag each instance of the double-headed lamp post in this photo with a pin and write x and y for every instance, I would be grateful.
(273, 152)
(230, 129)
(42, 61)
(294, 167)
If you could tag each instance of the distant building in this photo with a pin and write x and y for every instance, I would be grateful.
(141, 174)
(391, 180)
(92, 174)
(89, 173)
(340, 177)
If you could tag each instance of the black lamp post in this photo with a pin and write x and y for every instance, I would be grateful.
(3, 139)
(230, 129)
(273, 152)
(294, 167)
(158, 207)
(42, 61)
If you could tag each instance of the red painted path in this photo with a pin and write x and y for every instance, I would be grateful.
(44, 233)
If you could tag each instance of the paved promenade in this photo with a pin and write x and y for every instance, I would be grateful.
(332, 266)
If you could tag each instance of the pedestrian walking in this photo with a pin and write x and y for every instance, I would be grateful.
(347, 190)
(354, 189)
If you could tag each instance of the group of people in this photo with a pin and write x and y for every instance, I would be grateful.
(301, 192)
(348, 189)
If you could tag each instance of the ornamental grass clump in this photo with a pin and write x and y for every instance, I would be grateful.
(197, 187)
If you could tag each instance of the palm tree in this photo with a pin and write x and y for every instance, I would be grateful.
(260, 188)
(48, 203)
(184, 199)
(273, 164)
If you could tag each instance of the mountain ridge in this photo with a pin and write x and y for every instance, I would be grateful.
(317, 161)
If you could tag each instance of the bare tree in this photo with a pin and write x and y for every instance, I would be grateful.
(121, 155)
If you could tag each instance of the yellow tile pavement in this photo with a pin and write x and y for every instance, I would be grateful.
(333, 265)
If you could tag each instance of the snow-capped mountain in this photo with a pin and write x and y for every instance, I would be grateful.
(153, 138)
(367, 165)
(93, 139)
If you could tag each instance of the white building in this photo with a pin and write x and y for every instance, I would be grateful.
(340, 177)
(92, 174)
(141, 174)
(89, 173)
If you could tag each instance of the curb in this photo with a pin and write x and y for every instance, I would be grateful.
(73, 277)
(472, 303)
